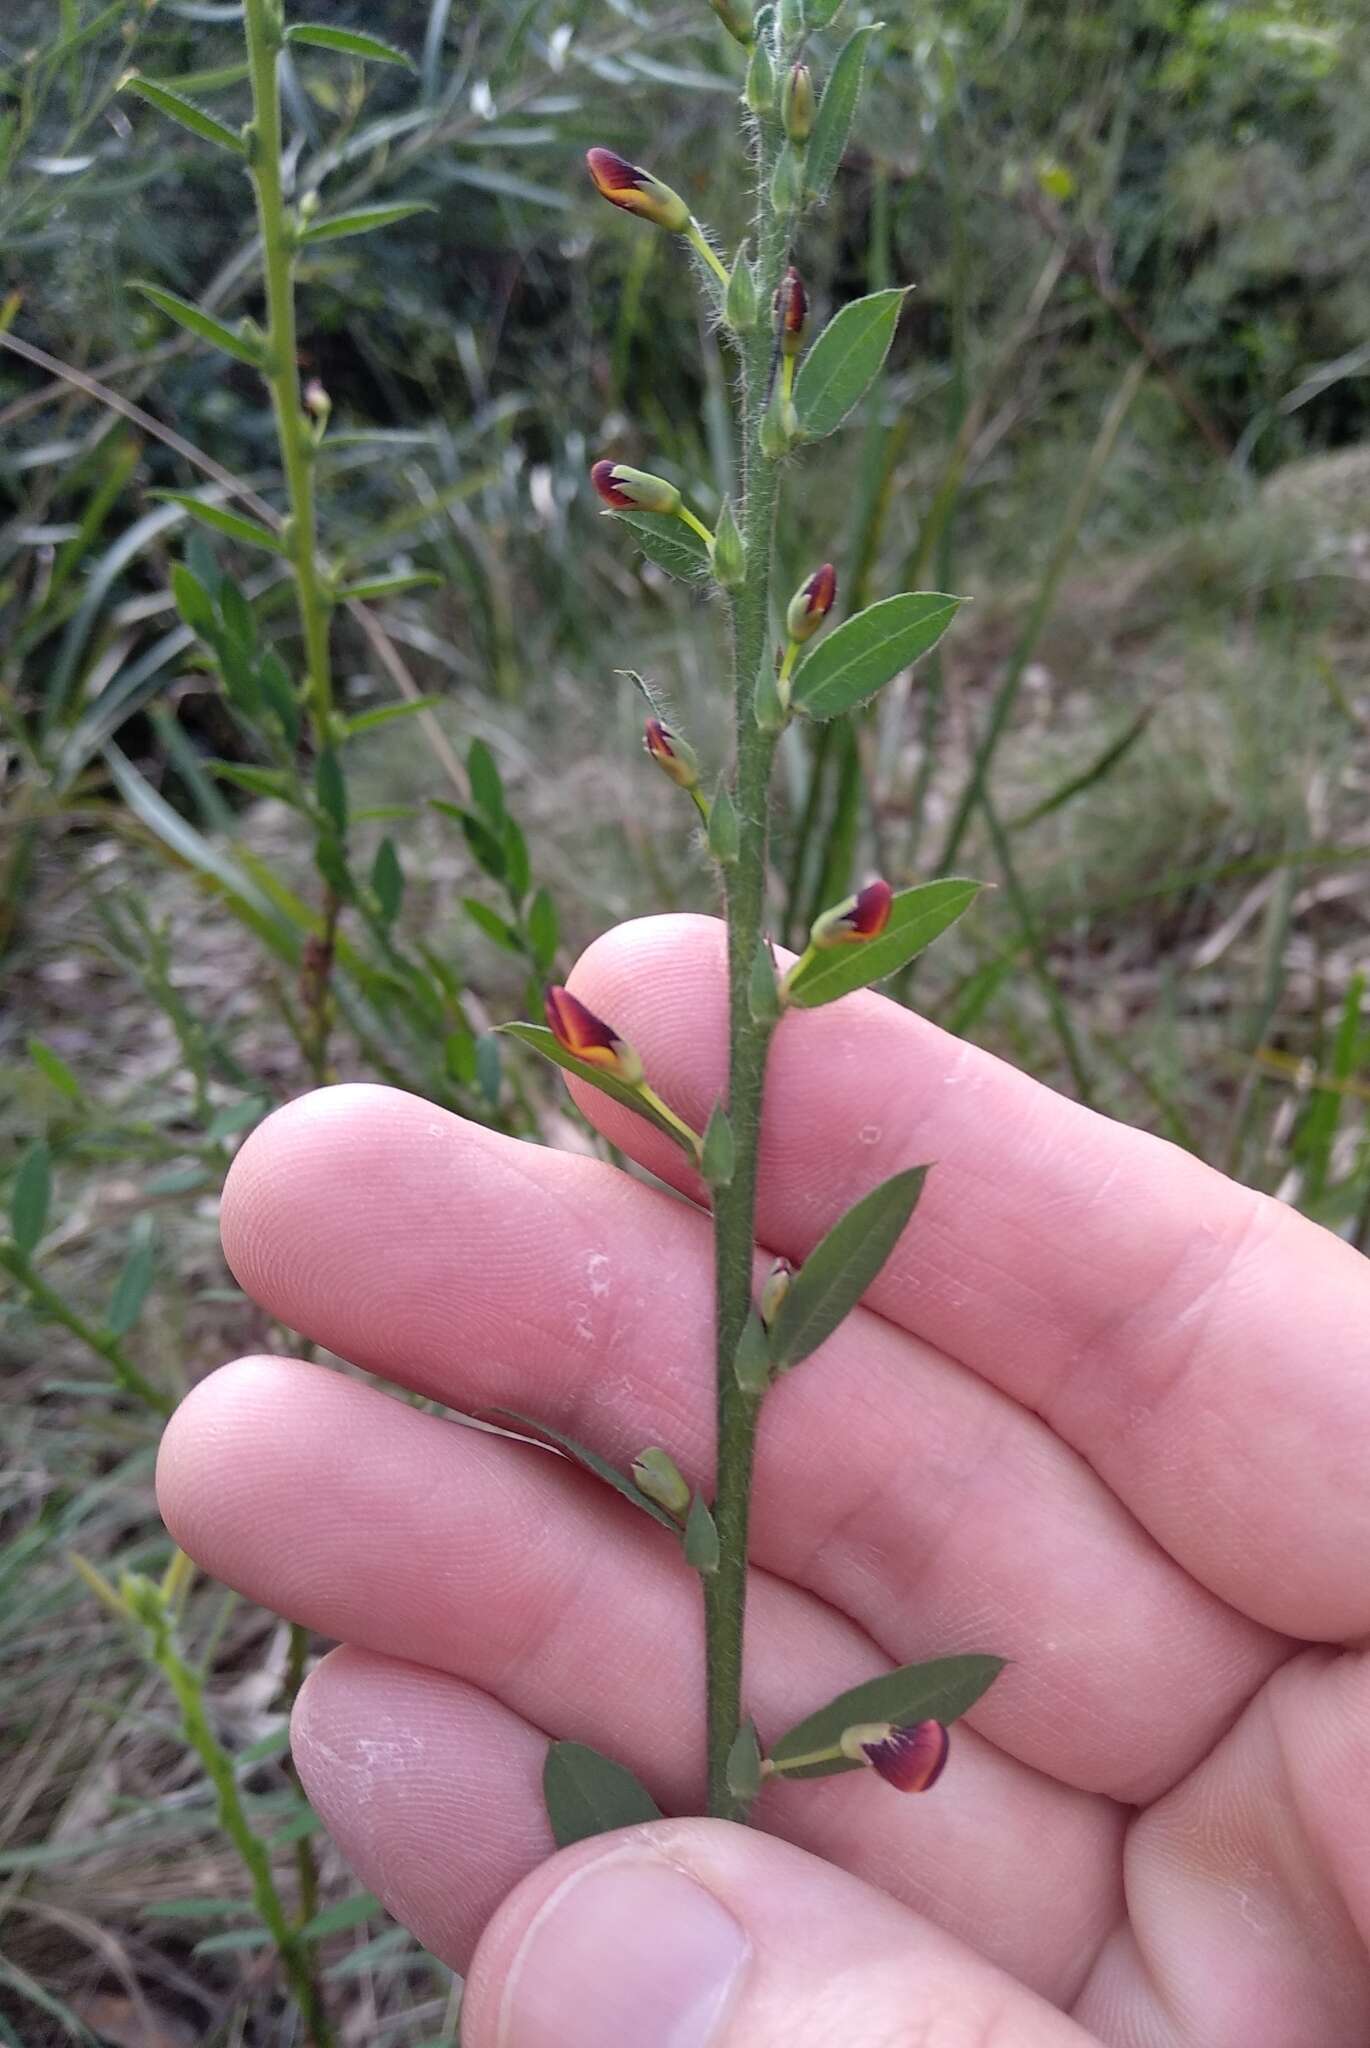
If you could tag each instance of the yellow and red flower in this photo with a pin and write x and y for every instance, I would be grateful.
(811, 603)
(579, 1031)
(863, 916)
(637, 191)
(673, 755)
(628, 489)
(911, 1759)
(791, 312)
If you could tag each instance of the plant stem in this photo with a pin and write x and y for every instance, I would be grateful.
(725, 1591)
(49, 1303)
(278, 261)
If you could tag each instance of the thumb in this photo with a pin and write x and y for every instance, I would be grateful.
(698, 1934)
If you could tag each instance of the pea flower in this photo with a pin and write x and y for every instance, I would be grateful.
(911, 1759)
(637, 191)
(579, 1031)
(863, 916)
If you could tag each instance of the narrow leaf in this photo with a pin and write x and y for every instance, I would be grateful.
(744, 1763)
(541, 1040)
(668, 542)
(131, 1289)
(752, 1362)
(941, 1690)
(720, 1150)
(361, 222)
(30, 1197)
(590, 1461)
(387, 881)
(588, 1794)
(865, 652)
(387, 586)
(194, 602)
(330, 789)
(841, 1267)
(917, 916)
(543, 931)
(487, 789)
(348, 42)
(843, 362)
(205, 325)
(54, 1068)
(493, 925)
(386, 714)
(832, 124)
(348, 1913)
(223, 521)
(178, 108)
(701, 1538)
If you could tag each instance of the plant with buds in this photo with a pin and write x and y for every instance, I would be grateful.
(793, 390)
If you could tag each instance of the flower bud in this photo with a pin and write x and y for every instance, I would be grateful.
(779, 428)
(729, 555)
(587, 1037)
(811, 603)
(736, 17)
(791, 309)
(739, 301)
(637, 191)
(787, 180)
(863, 916)
(674, 756)
(797, 104)
(759, 91)
(773, 1291)
(910, 1759)
(656, 1474)
(633, 489)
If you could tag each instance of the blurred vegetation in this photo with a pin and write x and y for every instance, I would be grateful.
(1128, 413)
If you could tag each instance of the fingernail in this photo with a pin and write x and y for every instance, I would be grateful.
(630, 1950)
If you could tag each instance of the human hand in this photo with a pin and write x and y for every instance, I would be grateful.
(1106, 1413)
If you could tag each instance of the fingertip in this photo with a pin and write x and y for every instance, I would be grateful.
(200, 1458)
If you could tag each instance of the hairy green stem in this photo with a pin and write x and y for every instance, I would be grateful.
(49, 1303)
(725, 1591)
(279, 232)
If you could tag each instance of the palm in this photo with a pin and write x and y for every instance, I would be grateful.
(1105, 1414)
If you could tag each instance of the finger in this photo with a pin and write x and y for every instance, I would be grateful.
(1204, 1347)
(501, 1565)
(697, 1934)
(899, 1487)
(1249, 1885)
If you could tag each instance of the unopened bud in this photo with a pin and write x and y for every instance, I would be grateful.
(863, 916)
(811, 603)
(791, 310)
(316, 400)
(739, 302)
(656, 1474)
(637, 191)
(787, 181)
(773, 1291)
(759, 92)
(674, 756)
(729, 554)
(779, 428)
(910, 1759)
(736, 17)
(587, 1037)
(797, 104)
(633, 489)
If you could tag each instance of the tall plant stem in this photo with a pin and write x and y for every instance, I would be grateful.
(725, 1591)
(279, 232)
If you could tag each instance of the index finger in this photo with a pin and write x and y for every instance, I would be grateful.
(1204, 1347)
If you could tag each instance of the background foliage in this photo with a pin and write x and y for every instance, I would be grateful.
(1126, 413)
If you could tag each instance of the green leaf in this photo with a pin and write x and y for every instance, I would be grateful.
(386, 714)
(330, 789)
(543, 931)
(361, 221)
(186, 315)
(701, 1538)
(744, 1763)
(178, 108)
(389, 586)
(131, 1288)
(348, 1913)
(588, 1794)
(832, 123)
(590, 1461)
(763, 994)
(865, 652)
(54, 1068)
(541, 1040)
(917, 917)
(486, 845)
(31, 1196)
(223, 521)
(493, 925)
(518, 869)
(940, 1690)
(348, 42)
(841, 1267)
(234, 1117)
(720, 1150)
(194, 602)
(844, 361)
(487, 790)
(387, 881)
(667, 541)
(819, 13)
(752, 1360)
(269, 782)
(723, 827)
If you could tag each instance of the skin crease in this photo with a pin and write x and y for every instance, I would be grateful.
(1103, 1412)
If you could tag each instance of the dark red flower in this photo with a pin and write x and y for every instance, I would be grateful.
(636, 191)
(673, 755)
(579, 1031)
(627, 489)
(791, 311)
(811, 603)
(863, 916)
(911, 1759)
